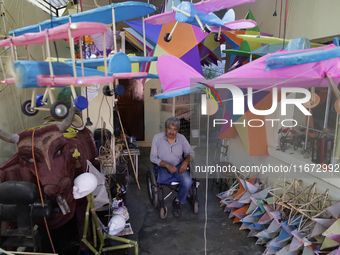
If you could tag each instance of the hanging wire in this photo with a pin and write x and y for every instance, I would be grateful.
(110, 121)
(96, 4)
(8, 13)
(280, 20)
(55, 46)
(275, 13)
(285, 26)
(206, 192)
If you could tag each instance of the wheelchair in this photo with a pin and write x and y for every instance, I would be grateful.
(157, 194)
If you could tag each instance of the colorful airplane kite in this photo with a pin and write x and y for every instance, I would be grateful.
(201, 14)
(47, 74)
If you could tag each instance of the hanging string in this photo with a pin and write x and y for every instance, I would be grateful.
(88, 121)
(275, 13)
(9, 14)
(55, 46)
(280, 20)
(206, 192)
(285, 26)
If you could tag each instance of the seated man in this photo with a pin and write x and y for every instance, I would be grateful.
(167, 152)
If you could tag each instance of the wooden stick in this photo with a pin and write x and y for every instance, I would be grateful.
(127, 146)
(114, 30)
(333, 86)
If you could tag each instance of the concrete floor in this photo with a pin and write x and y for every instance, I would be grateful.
(185, 235)
(171, 236)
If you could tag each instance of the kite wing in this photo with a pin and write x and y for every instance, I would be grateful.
(162, 18)
(237, 24)
(203, 6)
(216, 5)
(122, 11)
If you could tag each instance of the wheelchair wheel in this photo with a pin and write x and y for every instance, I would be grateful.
(152, 189)
(196, 205)
(192, 194)
(163, 212)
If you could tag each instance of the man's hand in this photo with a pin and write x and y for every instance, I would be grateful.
(171, 168)
(183, 167)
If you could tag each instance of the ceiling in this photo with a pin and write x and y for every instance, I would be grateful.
(57, 7)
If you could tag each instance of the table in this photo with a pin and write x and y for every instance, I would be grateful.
(134, 153)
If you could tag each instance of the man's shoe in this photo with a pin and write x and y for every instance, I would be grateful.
(176, 208)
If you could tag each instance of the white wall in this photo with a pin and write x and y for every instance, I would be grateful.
(21, 13)
(309, 18)
(100, 109)
(152, 108)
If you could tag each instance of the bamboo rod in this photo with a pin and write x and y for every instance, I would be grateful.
(127, 146)
(114, 29)
(48, 50)
(104, 54)
(28, 53)
(94, 234)
(42, 46)
(81, 55)
(117, 247)
(333, 86)
(121, 239)
(144, 40)
(293, 206)
(95, 219)
(87, 216)
(34, 92)
(3, 69)
(90, 246)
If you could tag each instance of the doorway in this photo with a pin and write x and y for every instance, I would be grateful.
(131, 108)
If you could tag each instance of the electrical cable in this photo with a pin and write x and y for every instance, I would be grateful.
(81, 48)
(206, 192)
(285, 26)
(100, 106)
(111, 123)
(96, 4)
(275, 13)
(280, 20)
(9, 16)
(40, 192)
(23, 19)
